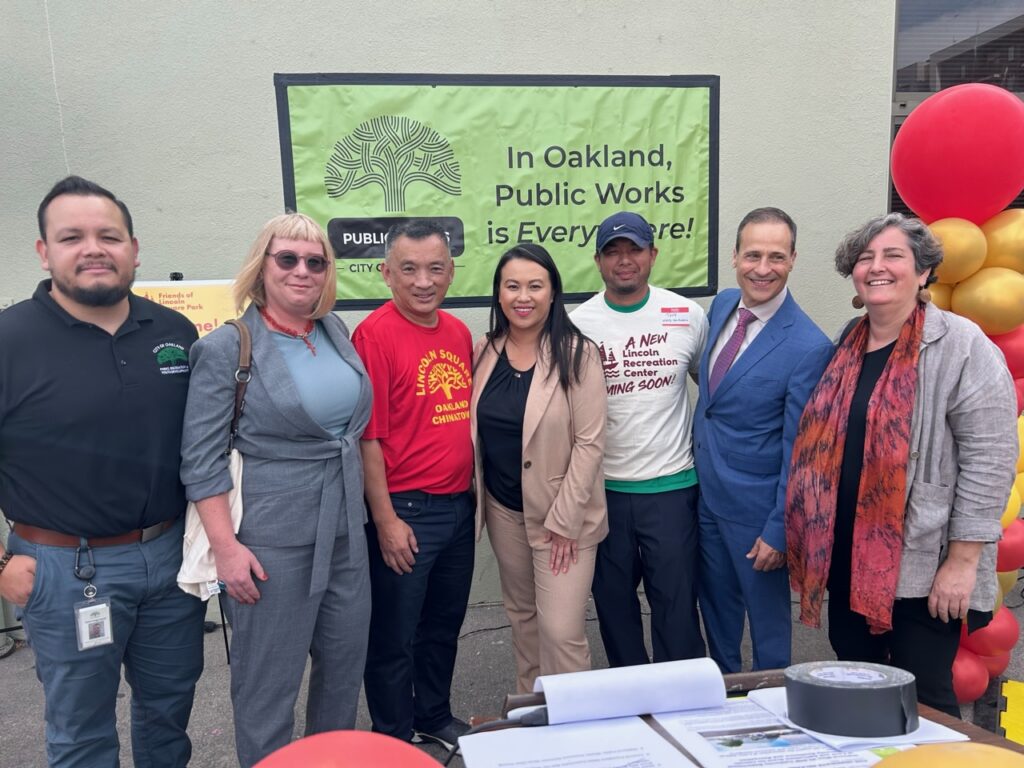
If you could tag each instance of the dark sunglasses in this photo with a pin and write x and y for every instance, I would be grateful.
(288, 260)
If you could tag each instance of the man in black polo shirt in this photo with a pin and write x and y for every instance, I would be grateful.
(93, 383)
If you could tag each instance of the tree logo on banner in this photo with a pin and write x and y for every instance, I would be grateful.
(392, 152)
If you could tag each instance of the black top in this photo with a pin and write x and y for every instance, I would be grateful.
(850, 471)
(849, 485)
(500, 427)
(90, 424)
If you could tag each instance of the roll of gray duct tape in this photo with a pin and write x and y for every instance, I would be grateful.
(852, 698)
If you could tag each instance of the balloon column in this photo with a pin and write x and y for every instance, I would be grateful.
(957, 161)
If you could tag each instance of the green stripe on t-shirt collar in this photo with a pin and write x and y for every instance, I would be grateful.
(628, 307)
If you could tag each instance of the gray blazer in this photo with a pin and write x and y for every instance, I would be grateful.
(300, 485)
(963, 453)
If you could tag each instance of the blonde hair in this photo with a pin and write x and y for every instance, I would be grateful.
(291, 226)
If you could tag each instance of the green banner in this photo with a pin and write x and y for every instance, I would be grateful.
(502, 160)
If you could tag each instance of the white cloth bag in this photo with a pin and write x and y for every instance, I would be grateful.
(197, 566)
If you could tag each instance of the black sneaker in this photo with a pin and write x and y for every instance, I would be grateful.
(447, 737)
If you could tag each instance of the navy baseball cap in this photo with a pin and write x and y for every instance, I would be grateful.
(631, 226)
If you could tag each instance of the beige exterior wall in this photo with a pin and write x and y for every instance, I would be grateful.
(172, 106)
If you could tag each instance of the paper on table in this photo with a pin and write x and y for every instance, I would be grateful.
(741, 734)
(626, 742)
(640, 690)
(928, 731)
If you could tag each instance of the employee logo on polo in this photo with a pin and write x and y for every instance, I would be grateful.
(171, 358)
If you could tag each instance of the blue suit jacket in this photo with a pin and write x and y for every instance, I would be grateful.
(743, 434)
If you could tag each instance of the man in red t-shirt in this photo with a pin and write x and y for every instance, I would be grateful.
(418, 462)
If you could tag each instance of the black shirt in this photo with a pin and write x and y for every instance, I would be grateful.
(850, 470)
(500, 424)
(90, 424)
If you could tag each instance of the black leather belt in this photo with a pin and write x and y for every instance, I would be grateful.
(424, 496)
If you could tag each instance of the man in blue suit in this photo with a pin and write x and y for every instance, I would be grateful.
(763, 358)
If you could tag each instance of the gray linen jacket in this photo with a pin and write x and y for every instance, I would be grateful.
(300, 485)
(963, 453)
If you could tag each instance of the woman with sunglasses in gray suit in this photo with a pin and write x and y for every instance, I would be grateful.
(296, 570)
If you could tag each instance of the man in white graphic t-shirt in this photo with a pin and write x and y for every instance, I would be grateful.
(649, 338)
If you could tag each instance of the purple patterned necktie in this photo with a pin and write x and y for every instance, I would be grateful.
(730, 350)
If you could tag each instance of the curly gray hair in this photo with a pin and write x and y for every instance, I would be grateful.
(924, 245)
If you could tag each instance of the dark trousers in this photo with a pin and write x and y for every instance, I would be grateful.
(652, 538)
(917, 643)
(415, 617)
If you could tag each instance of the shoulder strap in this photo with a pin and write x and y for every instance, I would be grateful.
(242, 376)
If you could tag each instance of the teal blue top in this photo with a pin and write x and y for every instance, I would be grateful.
(328, 387)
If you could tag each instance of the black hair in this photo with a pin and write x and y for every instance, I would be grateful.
(415, 229)
(764, 215)
(565, 339)
(76, 185)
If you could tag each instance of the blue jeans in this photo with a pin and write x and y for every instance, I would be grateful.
(415, 617)
(158, 636)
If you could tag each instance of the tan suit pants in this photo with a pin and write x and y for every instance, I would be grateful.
(547, 612)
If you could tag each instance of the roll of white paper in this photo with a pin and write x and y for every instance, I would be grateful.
(641, 690)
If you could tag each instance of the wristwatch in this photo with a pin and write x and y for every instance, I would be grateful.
(5, 560)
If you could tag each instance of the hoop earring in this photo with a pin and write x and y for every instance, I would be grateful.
(857, 302)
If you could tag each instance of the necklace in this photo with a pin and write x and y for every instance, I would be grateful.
(526, 350)
(304, 335)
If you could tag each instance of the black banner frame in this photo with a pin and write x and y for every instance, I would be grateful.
(711, 82)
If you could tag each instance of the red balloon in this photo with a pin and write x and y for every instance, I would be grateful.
(1000, 635)
(348, 749)
(1010, 551)
(995, 664)
(970, 678)
(1012, 346)
(961, 153)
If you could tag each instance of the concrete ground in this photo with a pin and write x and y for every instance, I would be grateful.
(483, 675)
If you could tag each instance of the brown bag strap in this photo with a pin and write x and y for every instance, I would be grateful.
(242, 376)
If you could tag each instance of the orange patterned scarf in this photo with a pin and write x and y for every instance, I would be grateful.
(814, 478)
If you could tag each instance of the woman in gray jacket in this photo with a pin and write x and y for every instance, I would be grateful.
(901, 468)
(296, 571)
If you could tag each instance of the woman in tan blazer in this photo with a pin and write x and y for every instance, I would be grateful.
(538, 421)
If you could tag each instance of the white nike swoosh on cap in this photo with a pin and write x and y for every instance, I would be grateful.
(616, 229)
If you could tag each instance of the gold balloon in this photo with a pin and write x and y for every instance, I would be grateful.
(1019, 482)
(942, 295)
(1007, 580)
(1005, 235)
(963, 249)
(953, 755)
(1020, 442)
(1012, 511)
(993, 298)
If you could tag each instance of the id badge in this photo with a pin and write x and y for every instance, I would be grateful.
(93, 624)
(212, 587)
